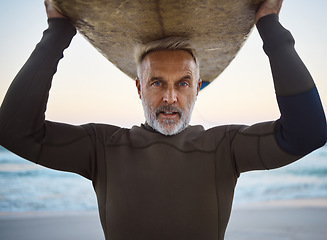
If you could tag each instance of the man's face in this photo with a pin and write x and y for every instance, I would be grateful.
(168, 89)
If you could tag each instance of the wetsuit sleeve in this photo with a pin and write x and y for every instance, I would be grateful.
(23, 129)
(302, 125)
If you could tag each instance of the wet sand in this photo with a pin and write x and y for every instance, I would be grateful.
(279, 220)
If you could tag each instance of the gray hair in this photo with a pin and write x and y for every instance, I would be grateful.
(170, 43)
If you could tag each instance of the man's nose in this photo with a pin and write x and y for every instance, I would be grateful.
(170, 96)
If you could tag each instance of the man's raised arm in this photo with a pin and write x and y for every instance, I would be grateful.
(23, 129)
(302, 125)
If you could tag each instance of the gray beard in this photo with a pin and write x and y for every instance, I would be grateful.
(167, 127)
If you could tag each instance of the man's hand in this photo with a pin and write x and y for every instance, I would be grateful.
(268, 7)
(52, 12)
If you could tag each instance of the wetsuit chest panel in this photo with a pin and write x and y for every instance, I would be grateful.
(161, 193)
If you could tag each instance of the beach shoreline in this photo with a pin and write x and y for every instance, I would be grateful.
(286, 203)
(279, 220)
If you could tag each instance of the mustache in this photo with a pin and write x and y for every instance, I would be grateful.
(168, 108)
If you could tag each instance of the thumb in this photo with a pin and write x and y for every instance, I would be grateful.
(268, 7)
(51, 11)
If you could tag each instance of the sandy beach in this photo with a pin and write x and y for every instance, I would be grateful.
(279, 220)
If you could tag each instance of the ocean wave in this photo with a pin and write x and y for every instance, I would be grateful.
(26, 186)
(12, 167)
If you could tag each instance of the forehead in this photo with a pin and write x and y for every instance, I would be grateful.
(170, 61)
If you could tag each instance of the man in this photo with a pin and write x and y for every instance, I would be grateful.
(164, 179)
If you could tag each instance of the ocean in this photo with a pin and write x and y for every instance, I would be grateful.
(27, 187)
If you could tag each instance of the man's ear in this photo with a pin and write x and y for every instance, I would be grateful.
(198, 87)
(138, 86)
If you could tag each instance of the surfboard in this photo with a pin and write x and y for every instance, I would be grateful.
(217, 29)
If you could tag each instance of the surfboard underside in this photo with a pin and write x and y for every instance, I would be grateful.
(217, 29)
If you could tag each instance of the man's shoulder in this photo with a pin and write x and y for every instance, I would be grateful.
(102, 131)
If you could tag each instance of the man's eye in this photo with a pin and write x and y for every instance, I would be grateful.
(156, 83)
(183, 84)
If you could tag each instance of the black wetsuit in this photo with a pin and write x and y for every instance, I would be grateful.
(151, 186)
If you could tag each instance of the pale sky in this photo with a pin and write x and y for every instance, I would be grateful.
(88, 88)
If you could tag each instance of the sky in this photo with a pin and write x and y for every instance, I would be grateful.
(88, 88)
